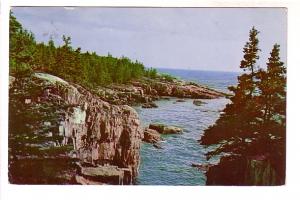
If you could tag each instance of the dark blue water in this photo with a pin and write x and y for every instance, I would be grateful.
(213, 79)
(172, 164)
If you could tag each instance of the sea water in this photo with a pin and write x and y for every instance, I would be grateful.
(171, 165)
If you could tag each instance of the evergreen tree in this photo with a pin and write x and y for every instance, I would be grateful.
(251, 52)
(272, 87)
(71, 64)
(21, 47)
(240, 116)
(254, 123)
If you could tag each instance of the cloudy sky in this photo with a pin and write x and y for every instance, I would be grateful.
(188, 38)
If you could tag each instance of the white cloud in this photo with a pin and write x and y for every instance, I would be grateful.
(202, 38)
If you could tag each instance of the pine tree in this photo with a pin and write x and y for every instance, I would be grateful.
(21, 48)
(251, 52)
(89, 69)
(254, 123)
(239, 119)
(246, 83)
(273, 87)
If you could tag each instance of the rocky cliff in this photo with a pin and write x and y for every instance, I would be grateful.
(48, 113)
(236, 170)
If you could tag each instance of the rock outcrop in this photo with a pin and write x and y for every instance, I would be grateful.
(164, 129)
(149, 105)
(178, 89)
(100, 133)
(236, 170)
(198, 102)
(151, 136)
(145, 91)
(106, 174)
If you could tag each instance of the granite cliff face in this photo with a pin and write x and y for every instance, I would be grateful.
(101, 136)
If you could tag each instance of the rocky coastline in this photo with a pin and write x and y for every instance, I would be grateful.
(96, 132)
(145, 91)
(97, 137)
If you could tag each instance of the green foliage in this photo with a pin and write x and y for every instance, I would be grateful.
(250, 52)
(273, 87)
(71, 64)
(254, 123)
(28, 133)
(22, 46)
(151, 73)
(167, 77)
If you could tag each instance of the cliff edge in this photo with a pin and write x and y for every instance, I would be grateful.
(51, 119)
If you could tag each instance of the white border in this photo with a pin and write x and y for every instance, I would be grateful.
(290, 191)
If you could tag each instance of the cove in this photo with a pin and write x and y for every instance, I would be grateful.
(171, 165)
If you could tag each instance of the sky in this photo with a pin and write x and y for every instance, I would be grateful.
(180, 38)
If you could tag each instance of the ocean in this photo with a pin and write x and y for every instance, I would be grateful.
(214, 79)
(171, 165)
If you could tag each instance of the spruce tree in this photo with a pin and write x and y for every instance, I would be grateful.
(272, 86)
(21, 48)
(251, 52)
(254, 123)
(239, 119)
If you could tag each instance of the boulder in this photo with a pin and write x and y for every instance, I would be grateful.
(149, 105)
(164, 129)
(158, 127)
(172, 130)
(180, 100)
(103, 174)
(157, 146)
(198, 102)
(151, 136)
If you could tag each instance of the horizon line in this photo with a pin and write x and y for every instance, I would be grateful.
(194, 69)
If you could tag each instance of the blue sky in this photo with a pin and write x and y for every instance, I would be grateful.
(188, 38)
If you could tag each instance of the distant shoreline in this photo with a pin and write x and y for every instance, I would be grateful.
(187, 69)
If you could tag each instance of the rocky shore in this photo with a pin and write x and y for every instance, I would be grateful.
(48, 114)
(145, 91)
(152, 134)
(95, 135)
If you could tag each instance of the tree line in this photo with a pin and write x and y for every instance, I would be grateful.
(254, 123)
(88, 68)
